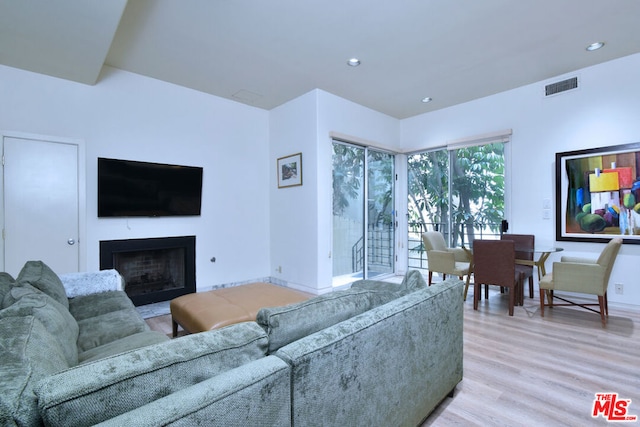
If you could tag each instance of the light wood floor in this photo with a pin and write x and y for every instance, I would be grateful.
(531, 371)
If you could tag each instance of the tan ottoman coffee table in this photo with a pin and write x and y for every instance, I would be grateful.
(204, 311)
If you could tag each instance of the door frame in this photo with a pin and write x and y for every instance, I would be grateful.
(81, 190)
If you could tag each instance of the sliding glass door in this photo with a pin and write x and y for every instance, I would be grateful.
(457, 191)
(363, 208)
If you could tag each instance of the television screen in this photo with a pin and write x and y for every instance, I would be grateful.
(131, 188)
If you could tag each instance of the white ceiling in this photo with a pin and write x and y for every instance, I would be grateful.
(265, 53)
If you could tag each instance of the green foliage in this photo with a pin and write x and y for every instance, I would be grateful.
(347, 175)
(477, 190)
(348, 164)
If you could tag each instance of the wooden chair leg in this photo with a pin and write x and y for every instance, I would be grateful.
(541, 302)
(530, 286)
(606, 304)
(512, 299)
(430, 276)
(601, 301)
(175, 328)
(466, 287)
(476, 294)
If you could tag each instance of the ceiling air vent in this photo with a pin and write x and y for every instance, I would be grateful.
(563, 86)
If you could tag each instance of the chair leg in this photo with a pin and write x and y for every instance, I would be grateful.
(466, 287)
(476, 294)
(512, 299)
(541, 302)
(601, 301)
(174, 328)
(530, 286)
(606, 304)
(430, 276)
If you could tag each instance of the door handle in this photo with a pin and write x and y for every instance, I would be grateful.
(71, 242)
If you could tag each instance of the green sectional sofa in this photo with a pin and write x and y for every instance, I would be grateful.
(375, 354)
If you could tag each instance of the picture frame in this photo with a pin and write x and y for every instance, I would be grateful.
(598, 194)
(289, 170)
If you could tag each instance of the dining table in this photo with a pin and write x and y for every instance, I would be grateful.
(542, 254)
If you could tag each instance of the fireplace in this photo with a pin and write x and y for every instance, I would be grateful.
(155, 269)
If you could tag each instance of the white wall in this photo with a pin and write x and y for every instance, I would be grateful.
(293, 209)
(301, 216)
(133, 117)
(602, 112)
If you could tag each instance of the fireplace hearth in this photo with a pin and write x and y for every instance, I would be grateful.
(154, 269)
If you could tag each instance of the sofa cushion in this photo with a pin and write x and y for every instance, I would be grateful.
(105, 328)
(28, 352)
(93, 392)
(132, 342)
(6, 283)
(29, 301)
(39, 275)
(87, 306)
(292, 322)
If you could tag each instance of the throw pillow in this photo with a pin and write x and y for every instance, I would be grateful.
(6, 283)
(93, 282)
(413, 281)
(28, 353)
(54, 317)
(39, 275)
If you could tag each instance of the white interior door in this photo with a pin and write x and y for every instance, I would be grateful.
(41, 200)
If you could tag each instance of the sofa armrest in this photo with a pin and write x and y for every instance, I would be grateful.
(579, 277)
(459, 254)
(441, 261)
(257, 393)
(577, 260)
(86, 283)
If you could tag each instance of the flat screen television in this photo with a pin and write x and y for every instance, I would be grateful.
(128, 188)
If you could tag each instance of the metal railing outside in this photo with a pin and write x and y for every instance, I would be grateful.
(417, 256)
(380, 249)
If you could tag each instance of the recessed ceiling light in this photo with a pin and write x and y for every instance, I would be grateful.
(595, 46)
(353, 62)
(427, 99)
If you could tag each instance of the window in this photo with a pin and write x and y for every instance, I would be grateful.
(363, 209)
(459, 191)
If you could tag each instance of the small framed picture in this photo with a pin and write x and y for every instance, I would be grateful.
(290, 170)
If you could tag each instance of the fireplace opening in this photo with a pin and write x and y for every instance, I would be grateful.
(155, 269)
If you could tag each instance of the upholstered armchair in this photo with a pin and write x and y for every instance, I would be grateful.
(581, 275)
(441, 259)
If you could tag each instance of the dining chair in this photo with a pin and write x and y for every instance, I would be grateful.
(525, 244)
(580, 275)
(494, 264)
(441, 259)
